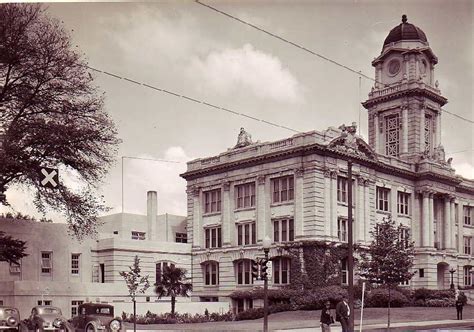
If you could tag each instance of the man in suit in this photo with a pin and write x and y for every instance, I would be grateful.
(343, 312)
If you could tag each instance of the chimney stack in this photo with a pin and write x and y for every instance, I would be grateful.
(152, 211)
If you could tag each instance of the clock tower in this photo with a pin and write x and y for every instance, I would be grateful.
(405, 103)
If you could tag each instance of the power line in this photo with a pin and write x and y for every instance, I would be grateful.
(158, 160)
(197, 101)
(358, 72)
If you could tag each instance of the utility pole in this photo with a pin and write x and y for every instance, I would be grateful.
(350, 258)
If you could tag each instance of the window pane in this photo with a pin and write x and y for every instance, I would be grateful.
(239, 235)
(254, 234)
(247, 234)
(283, 230)
(291, 230)
(276, 231)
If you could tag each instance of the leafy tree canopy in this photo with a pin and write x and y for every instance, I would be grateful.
(11, 250)
(52, 115)
(173, 283)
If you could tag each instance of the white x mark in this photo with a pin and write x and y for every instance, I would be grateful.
(48, 177)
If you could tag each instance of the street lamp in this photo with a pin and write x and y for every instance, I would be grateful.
(267, 242)
(452, 270)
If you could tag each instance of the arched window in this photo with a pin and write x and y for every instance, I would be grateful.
(160, 267)
(243, 271)
(210, 271)
(281, 270)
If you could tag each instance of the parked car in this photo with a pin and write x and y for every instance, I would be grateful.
(47, 318)
(9, 319)
(93, 317)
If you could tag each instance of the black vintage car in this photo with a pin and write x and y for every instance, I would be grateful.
(94, 317)
(47, 318)
(9, 319)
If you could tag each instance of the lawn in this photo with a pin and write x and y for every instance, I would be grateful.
(300, 319)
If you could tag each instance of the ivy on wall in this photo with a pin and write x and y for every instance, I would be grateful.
(316, 263)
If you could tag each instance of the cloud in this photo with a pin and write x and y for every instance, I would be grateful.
(141, 176)
(231, 69)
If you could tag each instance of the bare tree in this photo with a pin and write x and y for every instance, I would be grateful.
(51, 114)
(137, 284)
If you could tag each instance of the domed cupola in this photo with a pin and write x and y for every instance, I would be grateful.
(405, 32)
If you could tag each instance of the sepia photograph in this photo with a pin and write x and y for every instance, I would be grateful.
(247, 165)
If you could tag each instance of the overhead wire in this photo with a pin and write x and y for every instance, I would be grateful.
(314, 53)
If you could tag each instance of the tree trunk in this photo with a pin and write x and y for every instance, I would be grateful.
(134, 315)
(388, 321)
(173, 303)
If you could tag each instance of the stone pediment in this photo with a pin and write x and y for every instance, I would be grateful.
(350, 143)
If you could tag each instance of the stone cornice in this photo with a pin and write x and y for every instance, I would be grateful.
(417, 91)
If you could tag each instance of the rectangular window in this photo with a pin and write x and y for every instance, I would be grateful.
(405, 237)
(382, 196)
(244, 272)
(212, 201)
(75, 263)
(181, 238)
(392, 135)
(342, 229)
(341, 189)
(211, 273)
(467, 276)
(246, 234)
(283, 230)
(403, 203)
(456, 213)
(245, 195)
(46, 262)
(45, 302)
(421, 273)
(138, 235)
(467, 245)
(344, 273)
(282, 189)
(15, 268)
(467, 215)
(74, 306)
(281, 270)
(213, 237)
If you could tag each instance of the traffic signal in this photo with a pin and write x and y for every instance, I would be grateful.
(255, 269)
(263, 269)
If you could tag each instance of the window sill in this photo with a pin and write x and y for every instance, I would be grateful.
(210, 214)
(388, 213)
(249, 208)
(404, 215)
(468, 226)
(211, 287)
(244, 286)
(282, 203)
(283, 242)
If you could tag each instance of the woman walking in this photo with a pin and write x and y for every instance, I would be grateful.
(326, 318)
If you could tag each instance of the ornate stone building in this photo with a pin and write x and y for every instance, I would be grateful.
(296, 188)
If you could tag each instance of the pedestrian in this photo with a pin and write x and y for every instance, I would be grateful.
(326, 317)
(343, 312)
(459, 305)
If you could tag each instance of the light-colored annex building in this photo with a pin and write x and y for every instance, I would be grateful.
(62, 272)
(296, 188)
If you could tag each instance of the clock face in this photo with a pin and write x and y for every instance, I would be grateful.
(394, 67)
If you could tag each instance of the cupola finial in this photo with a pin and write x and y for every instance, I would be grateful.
(404, 18)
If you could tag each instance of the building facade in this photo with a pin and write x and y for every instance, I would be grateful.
(295, 189)
(63, 272)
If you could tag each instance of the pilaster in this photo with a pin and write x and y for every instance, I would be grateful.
(263, 208)
(227, 220)
(197, 216)
(447, 223)
(299, 173)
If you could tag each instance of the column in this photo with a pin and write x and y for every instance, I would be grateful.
(334, 204)
(377, 133)
(262, 209)
(447, 223)
(327, 204)
(425, 228)
(460, 227)
(367, 227)
(197, 218)
(422, 128)
(299, 173)
(405, 129)
(227, 220)
(431, 221)
(360, 208)
(355, 209)
(453, 223)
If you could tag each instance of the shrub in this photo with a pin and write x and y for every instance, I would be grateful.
(256, 313)
(379, 298)
(274, 295)
(439, 303)
(177, 318)
(433, 294)
(315, 299)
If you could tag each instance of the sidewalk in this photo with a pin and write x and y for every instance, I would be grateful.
(403, 326)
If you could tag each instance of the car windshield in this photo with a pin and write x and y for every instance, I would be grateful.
(8, 311)
(46, 311)
(103, 311)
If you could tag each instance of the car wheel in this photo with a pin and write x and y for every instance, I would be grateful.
(90, 328)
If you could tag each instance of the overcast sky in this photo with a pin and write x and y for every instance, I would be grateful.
(189, 49)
